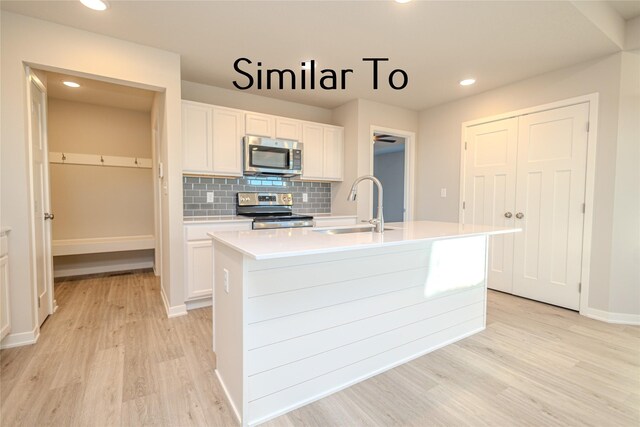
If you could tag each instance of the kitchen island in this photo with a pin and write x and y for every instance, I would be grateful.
(302, 313)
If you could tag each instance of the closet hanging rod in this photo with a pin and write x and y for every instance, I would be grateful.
(99, 160)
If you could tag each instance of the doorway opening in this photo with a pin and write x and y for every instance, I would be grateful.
(388, 167)
(101, 188)
(392, 163)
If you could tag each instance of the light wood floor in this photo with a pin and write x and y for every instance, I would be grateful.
(109, 356)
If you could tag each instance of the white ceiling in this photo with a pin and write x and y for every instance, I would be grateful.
(438, 43)
(99, 93)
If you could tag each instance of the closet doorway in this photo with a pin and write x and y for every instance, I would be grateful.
(101, 176)
(530, 171)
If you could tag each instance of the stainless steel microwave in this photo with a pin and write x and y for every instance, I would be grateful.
(266, 156)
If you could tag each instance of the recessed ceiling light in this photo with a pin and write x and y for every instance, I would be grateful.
(71, 84)
(467, 82)
(402, 1)
(95, 4)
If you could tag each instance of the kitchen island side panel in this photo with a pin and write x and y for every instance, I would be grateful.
(228, 330)
(317, 324)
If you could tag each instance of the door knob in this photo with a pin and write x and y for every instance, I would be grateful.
(49, 216)
(508, 214)
(519, 215)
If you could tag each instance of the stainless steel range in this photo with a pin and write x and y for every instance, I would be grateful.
(271, 210)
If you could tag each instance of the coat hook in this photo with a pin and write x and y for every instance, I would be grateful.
(64, 157)
(136, 162)
(102, 160)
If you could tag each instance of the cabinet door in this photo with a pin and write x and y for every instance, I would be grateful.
(288, 129)
(199, 269)
(197, 142)
(5, 318)
(228, 131)
(333, 153)
(313, 140)
(260, 125)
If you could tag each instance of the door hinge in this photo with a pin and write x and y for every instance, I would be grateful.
(38, 302)
(464, 205)
(584, 208)
(587, 126)
(580, 287)
(465, 145)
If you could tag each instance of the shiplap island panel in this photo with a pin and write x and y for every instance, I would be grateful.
(299, 314)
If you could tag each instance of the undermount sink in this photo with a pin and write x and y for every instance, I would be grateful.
(348, 230)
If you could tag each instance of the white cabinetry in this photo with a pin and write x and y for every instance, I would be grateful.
(260, 125)
(323, 152)
(5, 311)
(211, 139)
(288, 129)
(313, 156)
(199, 256)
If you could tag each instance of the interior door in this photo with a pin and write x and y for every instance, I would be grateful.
(552, 156)
(489, 194)
(40, 181)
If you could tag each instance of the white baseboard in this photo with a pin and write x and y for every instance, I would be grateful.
(82, 271)
(175, 311)
(199, 303)
(609, 317)
(20, 339)
(228, 398)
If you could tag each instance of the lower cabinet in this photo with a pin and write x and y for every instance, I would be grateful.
(198, 269)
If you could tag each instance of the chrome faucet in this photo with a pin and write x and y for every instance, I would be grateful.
(379, 221)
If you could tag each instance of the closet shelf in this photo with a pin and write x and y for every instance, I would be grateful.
(99, 160)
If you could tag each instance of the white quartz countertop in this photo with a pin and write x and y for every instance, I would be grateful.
(219, 218)
(240, 218)
(282, 243)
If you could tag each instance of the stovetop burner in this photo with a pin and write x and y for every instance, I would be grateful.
(271, 210)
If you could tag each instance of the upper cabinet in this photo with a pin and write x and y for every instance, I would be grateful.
(197, 140)
(260, 125)
(288, 129)
(333, 166)
(323, 152)
(211, 139)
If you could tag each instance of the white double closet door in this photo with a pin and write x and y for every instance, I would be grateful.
(529, 172)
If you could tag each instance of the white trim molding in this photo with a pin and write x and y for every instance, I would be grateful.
(609, 317)
(21, 338)
(175, 311)
(199, 303)
(102, 245)
(112, 268)
(409, 167)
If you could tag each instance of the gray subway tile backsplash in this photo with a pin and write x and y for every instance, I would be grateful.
(224, 194)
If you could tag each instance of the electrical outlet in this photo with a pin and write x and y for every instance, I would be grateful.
(305, 197)
(209, 196)
(443, 192)
(226, 280)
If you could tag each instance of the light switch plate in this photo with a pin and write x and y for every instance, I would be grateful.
(443, 192)
(305, 197)
(209, 196)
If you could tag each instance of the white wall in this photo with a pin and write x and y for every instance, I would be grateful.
(54, 47)
(247, 101)
(95, 201)
(625, 253)
(363, 114)
(439, 151)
